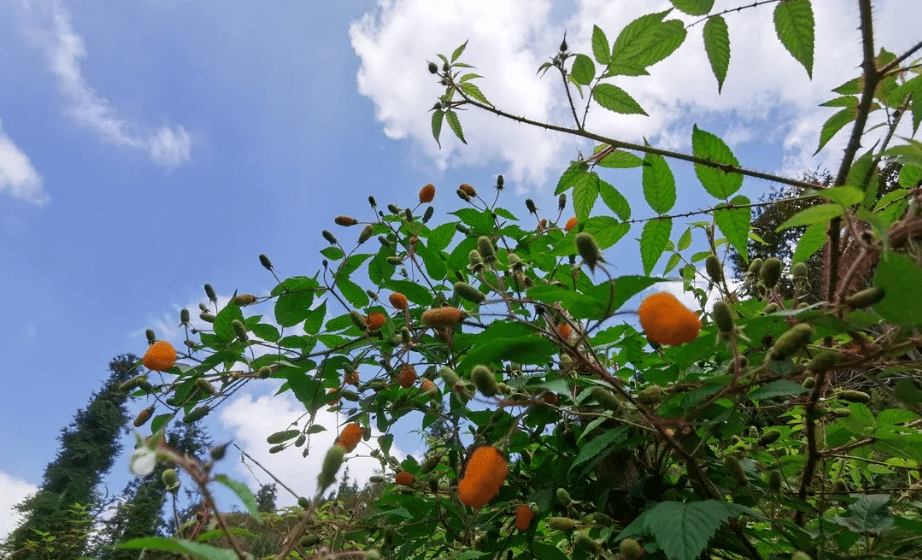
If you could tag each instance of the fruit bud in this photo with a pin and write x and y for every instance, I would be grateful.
(396, 261)
(754, 267)
(770, 272)
(331, 463)
(630, 548)
(840, 413)
(169, 477)
(823, 361)
(430, 463)
(366, 234)
(217, 452)
(264, 260)
(865, 298)
(209, 291)
(463, 195)
(207, 317)
(284, 435)
(799, 270)
(264, 372)
(151, 337)
(448, 376)
(184, 317)
(564, 497)
(433, 68)
(651, 395)
(850, 395)
(462, 229)
(244, 299)
(587, 543)
(383, 240)
(774, 480)
(195, 415)
(329, 237)
(239, 329)
(588, 249)
(723, 317)
(143, 417)
(606, 399)
(358, 320)
(736, 471)
(530, 205)
(561, 523)
(485, 248)
(470, 293)
(562, 201)
(427, 215)
(792, 341)
(205, 387)
(408, 214)
(768, 438)
(484, 380)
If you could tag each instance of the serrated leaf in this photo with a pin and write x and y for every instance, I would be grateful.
(620, 159)
(455, 124)
(437, 118)
(243, 492)
(672, 263)
(296, 295)
(682, 530)
(794, 26)
(600, 49)
(717, 46)
(851, 87)
(821, 213)
(222, 323)
(844, 195)
(658, 184)
(833, 125)
(630, 46)
(716, 182)
(843, 101)
(458, 51)
(353, 293)
(583, 70)
(315, 320)
(653, 241)
(901, 280)
(615, 99)
(473, 91)
(614, 200)
(667, 36)
(606, 230)
(571, 176)
(810, 242)
(734, 224)
(693, 7)
(685, 240)
(197, 550)
(780, 388)
(597, 449)
(585, 192)
(266, 332)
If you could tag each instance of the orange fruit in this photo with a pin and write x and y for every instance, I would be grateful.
(350, 436)
(523, 517)
(351, 378)
(398, 300)
(427, 193)
(666, 321)
(468, 190)
(160, 356)
(375, 321)
(407, 376)
(404, 478)
(442, 317)
(571, 223)
(564, 331)
(486, 471)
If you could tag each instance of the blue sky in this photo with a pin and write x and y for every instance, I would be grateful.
(147, 148)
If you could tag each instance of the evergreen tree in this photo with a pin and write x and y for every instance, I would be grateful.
(265, 497)
(58, 514)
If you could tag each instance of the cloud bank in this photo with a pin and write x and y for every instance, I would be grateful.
(18, 178)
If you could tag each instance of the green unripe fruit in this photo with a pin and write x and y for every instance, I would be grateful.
(484, 380)
(184, 317)
(865, 298)
(264, 260)
(366, 233)
(602, 519)
(408, 214)
(375, 479)
(329, 237)
(309, 540)
(169, 477)
(714, 269)
(774, 480)
(823, 362)
(606, 399)
(530, 205)
(372, 555)
(754, 267)
(723, 317)
(206, 387)
(304, 502)
(279, 437)
(264, 372)
(384, 241)
(244, 299)
(207, 317)
(651, 395)
(839, 413)
(850, 395)
(769, 437)
(798, 555)
(468, 292)
(448, 376)
(809, 383)
(587, 543)
(427, 215)
(331, 463)
(561, 523)
(462, 229)
(195, 415)
(239, 329)
(151, 337)
(132, 383)
(475, 260)
(485, 247)
(770, 308)
(358, 320)
(629, 548)
(799, 270)
(733, 466)
(564, 497)
(588, 249)
(396, 261)
(277, 448)
(430, 463)
(792, 341)
(217, 452)
(770, 272)
(209, 291)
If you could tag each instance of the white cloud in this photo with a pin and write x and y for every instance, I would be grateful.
(18, 177)
(251, 419)
(767, 95)
(167, 145)
(14, 490)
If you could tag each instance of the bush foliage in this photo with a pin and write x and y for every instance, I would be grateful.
(785, 427)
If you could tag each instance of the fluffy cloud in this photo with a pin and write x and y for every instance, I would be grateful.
(767, 94)
(18, 177)
(65, 50)
(14, 490)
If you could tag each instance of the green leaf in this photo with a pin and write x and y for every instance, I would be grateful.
(222, 323)
(716, 182)
(353, 293)
(653, 241)
(901, 280)
(615, 99)
(844, 195)
(869, 514)
(673, 262)
(527, 350)
(159, 421)
(694, 7)
(842, 101)
(455, 124)
(473, 91)
(717, 47)
(314, 320)
(683, 530)
(583, 70)
(734, 224)
(834, 124)
(794, 26)
(620, 159)
(296, 295)
(571, 176)
(197, 550)
(810, 242)
(658, 184)
(600, 49)
(266, 332)
(821, 213)
(780, 388)
(666, 38)
(636, 45)
(585, 192)
(606, 230)
(546, 551)
(437, 117)
(243, 492)
(615, 200)
(597, 449)
(458, 51)
(686, 239)
(435, 265)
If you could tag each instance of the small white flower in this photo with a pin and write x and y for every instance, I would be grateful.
(143, 461)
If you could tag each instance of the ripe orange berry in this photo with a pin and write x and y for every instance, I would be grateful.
(350, 437)
(468, 190)
(666, 321)
(427, 385)
(345, 221)
(160, 356)
(351, 378)
(442, 317)
(486, 471)
(404, 478)
(398, 300)
(563, 330)
(427, 193)
(571, 223)
(375, 321)
(407, 376)
(523, 517)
